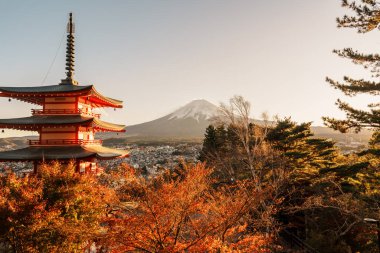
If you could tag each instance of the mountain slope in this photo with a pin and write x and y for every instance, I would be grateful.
(190, 120)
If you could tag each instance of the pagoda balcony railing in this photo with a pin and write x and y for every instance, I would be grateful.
(62, 111)
(59, 142)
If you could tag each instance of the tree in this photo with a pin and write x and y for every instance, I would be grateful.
(236, 115)
(297, 144)
(180, 211)
(212, 142)
(365, 19)
(56, 210)
(222, 150)
(359, 175)
(320, 195)
(241, 151)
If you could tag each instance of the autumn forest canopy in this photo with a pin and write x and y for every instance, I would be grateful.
(258, 187)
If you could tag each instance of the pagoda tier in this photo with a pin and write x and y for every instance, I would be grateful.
(43, 122)
(38, 94)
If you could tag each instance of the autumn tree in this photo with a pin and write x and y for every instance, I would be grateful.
(181, 212)
(56, 210)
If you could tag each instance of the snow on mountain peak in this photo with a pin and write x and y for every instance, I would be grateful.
(197, 109)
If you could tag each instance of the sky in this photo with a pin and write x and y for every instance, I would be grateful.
(157, 56)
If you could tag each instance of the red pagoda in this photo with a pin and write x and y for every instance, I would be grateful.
(66, 123)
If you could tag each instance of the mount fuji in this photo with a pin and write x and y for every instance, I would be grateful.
(191, 120)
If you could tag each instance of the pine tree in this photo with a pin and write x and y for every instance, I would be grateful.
(221, 149)
(357, 177)
(365, 19)
(209, 143)
(297, 145)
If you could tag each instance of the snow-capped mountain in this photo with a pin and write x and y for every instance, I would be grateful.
(196, 109)
(190, 120)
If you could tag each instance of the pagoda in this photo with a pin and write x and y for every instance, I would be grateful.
(66, 121)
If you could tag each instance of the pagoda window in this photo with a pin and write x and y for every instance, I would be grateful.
(60, 130)
(60, 103)
(82, 167)
(60, 106)
(85, 136)
(83, 100)
(60, 99)
(58, 133)
(93, 166)
(85, 108)
(58, 136)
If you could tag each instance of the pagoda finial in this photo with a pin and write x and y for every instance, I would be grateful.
(70, 53)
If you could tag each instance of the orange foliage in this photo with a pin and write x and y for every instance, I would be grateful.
(181, 212)
(57, 210)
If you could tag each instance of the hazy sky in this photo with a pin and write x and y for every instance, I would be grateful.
(159, 55)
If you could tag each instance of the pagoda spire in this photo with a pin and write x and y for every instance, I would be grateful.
(70, 53)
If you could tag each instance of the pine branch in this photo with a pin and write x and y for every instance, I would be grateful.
(341, 125)
(371, 118)
(356, 119)
(366, 15)
(353, 87)
(356, 56)
(368, 61)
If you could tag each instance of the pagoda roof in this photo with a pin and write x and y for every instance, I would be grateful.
(36, 94)
(60, 153)
(33, 123)
(46, 89)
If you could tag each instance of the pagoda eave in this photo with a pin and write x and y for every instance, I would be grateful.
(34, 123)
(36, 95)
(99, 100)
(99, 129)
(38, 127)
